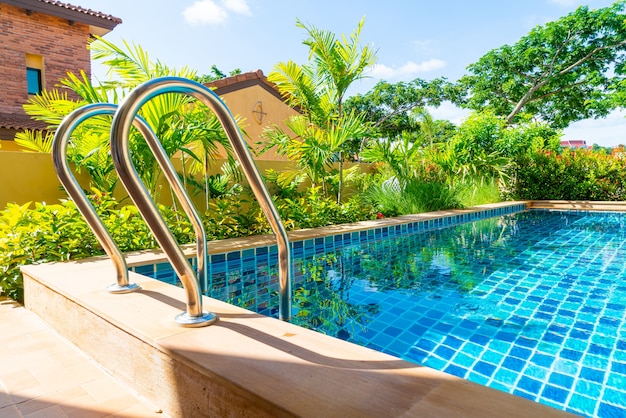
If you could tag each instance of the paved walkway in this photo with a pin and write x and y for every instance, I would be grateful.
(43, 375)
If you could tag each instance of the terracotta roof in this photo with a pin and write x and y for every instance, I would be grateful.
(574, 143)
(68, 11)
(18, 122)
(240, 81)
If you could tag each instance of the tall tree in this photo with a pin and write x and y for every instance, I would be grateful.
(561, 72)
(319, 87)
(387, 106)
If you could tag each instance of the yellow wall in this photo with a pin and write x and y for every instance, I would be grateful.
(242, 104)
(9, 145)
(27, 176)
(30, 177)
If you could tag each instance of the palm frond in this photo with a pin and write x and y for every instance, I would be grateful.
(35, 141)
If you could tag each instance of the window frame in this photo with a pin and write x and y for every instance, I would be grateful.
(37, 71)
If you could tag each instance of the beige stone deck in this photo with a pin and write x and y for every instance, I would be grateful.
(43, 375)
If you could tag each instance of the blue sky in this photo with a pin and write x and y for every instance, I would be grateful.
(418, 38)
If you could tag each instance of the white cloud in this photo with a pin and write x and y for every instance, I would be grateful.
(208, 12)
(408, 70)
(237, 6)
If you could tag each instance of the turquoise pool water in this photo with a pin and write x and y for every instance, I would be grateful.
(531, 303)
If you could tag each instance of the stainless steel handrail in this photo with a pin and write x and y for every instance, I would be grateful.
(120, 132)
(71, 185)
(194, 316)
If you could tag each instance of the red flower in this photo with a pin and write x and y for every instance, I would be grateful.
(379, 215)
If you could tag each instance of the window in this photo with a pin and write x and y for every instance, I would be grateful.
(33, 80)
(35, 77)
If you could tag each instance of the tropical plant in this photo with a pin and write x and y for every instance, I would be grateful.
(177, 121)
(314, 149)
(318, 90)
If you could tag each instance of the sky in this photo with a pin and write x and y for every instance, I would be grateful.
(412, 38)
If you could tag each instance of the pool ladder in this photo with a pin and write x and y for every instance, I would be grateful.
(124, 117)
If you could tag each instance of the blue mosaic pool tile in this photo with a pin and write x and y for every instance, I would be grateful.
(592, 375)
(596, 361)
(579, 404)
(392, 331)
(513, 363)
(456, 370)
(523, 394)
(147, 270)
(444, 352)
(561, 380)
(617, 367)
(555, 394)
(452, 342)
(485, 368)
(436, 362)
(571, 354)
(506, 377)
(520, 352)
(606, 410)
(542, 360)
(616, 381)
(614, 397)
(599, 350)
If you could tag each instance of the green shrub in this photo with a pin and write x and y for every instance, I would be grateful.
(59, 232)
(570, 175)
(46, 233)
(417, 196)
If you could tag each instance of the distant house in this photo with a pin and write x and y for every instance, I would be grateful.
(574, 143)
(40, 41)
(258, 103)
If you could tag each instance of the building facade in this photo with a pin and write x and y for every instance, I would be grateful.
(40, 42)
(256, 101)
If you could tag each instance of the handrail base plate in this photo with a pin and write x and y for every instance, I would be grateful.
(185, 320)
(130, 287)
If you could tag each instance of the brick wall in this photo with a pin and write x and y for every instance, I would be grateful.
(62, 45)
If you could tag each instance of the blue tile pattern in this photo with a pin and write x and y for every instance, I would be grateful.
(528, 302)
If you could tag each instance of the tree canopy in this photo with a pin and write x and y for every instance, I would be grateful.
(561, 72)
(387, 106)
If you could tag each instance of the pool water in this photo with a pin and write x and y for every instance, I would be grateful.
(531, 303)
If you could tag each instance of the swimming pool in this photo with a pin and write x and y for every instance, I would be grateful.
(532, 303)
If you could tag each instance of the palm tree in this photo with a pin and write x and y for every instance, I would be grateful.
(318, 88)
(313, 148)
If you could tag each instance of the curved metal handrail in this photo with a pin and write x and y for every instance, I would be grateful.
(120, 132)
(71, 185)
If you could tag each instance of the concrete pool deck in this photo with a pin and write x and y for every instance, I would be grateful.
(246, 364)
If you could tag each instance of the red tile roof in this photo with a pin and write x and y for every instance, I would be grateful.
(574, 143)
(18, 122)
(68, 11)
(239, 81)
(242, 81)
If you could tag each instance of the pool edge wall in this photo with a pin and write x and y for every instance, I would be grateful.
(246, 364)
